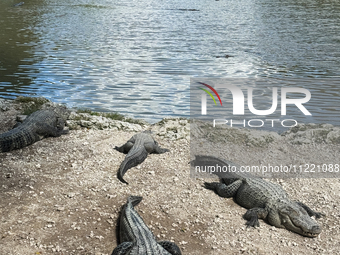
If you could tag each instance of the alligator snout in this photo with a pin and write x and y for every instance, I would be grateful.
(315, 231)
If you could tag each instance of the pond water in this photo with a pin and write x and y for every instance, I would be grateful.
(137, 57)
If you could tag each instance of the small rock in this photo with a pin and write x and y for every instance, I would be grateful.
(70, 195)
(61, 208)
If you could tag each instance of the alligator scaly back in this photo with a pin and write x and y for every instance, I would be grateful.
(136, 238)
(137, 148)
(40, 124)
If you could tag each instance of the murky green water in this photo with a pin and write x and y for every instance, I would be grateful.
(137, 57)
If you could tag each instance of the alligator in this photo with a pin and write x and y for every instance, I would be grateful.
(224, 56)
(136, 238)
(38, 125)
(19, 4)
(263, 199)
(137, 149)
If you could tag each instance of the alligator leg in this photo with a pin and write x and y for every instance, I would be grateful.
(125, 148)
(252, 216)
(60, 124)
(224, 190)
(159, 150)
(123, 248)
(171, 247)
(152, 147)
(310, 211)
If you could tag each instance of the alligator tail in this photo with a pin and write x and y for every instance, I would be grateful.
(134, 200)
(135, 156)
(15, 139)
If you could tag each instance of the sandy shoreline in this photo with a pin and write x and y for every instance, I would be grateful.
(61, 195)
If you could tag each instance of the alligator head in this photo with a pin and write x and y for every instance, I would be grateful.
(296, 219)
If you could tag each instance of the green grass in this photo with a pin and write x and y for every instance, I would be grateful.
(36, 100)
(114, 116)
(134, 121)
(111, 115)
(31, 104)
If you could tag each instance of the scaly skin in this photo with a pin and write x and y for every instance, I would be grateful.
(136, 238)
(40, 124)
(265, 200)
(137, 148)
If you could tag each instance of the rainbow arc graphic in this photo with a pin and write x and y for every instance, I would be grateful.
(209, 93)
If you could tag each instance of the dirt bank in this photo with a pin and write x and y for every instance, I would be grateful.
(61, 196)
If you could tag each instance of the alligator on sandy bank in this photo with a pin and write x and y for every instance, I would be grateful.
(38, 125)
(264, 200)
(137, 150)
(136, 238)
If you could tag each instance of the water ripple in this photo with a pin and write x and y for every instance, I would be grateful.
(137, 57)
